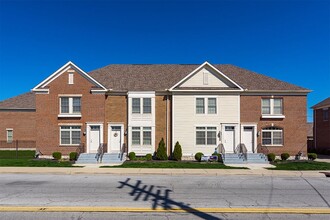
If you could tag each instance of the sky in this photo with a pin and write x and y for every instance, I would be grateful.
(285, 39)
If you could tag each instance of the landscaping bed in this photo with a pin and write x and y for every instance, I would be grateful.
(173, 165)
(21, 154)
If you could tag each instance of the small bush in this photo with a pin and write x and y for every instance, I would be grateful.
(177, 153)
(312, 156)
(198, 156)
(219, 157)
(73, 156)
(57, 155)
(132, 156)
(149, 157)
(285, 156)
(161, 151)
(271, 157)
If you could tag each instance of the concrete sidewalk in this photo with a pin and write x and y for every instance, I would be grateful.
(150, 171)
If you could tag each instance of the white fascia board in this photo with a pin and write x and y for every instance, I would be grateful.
(199, 68)
(61, 70)
(141, 94)
(201, 91)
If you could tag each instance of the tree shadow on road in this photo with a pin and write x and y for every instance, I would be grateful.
(144, 192)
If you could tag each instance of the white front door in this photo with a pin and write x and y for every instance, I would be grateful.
(115, 138)
(94, 138)
(229, 139)
(248, 138)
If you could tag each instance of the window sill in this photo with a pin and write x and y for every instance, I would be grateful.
(69, 116)
(273, 116)
(69, 145)
(272, 145)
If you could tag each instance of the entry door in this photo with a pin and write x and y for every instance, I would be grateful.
(229, 138)
(115, 138)
(94, 138)
(248, 138)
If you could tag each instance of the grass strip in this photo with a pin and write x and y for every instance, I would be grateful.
(300, 165)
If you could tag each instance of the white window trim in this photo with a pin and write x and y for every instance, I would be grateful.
(272, 115)
(70, 78)
(142, 106)
(60, 136)
(206, 105)
(216, 135)
(272, 145)
(141, 136)
(70, 114)
(12, 130)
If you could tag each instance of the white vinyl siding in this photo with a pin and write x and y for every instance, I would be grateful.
(272, 136)
(185, 120)
(70, 135)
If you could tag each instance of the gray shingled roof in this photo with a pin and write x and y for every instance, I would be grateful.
(158, 77)
(24, 101)
(324, 103)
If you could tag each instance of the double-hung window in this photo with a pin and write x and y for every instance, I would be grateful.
(10, 135)
(272, 106)
(70, 135)
(206, 135)
(136, 106)
(141, 135)
(70, 105)
(146, 105)
(206, 105)
(325, 114)
(272, 136)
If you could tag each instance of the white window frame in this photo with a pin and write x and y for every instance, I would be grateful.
(272, 130)
(139, 112)
(8, 130)
(142, 130)
(142, 106)
(71, 129)
(206, 105)
(71, 113)
(70, 79)
(272, 107)
(206, 130)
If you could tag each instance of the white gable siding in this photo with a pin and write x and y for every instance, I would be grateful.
(185, 120)
(197, 80)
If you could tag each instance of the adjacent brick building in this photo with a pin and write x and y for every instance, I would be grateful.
(132, 107)
(322, 126)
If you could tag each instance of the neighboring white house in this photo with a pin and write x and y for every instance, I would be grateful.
(206, 111)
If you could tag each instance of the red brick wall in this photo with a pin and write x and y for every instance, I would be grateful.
(321, 132)
(116, 112)
(22, 123)
(48, 108)
(294, 124)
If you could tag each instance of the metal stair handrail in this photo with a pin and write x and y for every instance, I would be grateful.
(222, 151)
(241, 149)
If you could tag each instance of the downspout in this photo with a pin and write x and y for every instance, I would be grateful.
(314, 127)
(167, 124)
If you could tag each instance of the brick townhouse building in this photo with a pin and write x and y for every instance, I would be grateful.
(135, 106)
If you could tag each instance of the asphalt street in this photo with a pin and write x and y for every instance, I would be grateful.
(159, 192)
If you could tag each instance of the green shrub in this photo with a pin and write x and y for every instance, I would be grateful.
(285, 156)
(161, 151)
(271, 157)
(57, 155)
(198, 156)
(132, 156)
(177, 153)
(219, 157)
(73, 156)
(149, 157)
(312, 156)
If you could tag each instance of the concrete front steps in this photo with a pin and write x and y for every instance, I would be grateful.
(231, 158)
(108, 158)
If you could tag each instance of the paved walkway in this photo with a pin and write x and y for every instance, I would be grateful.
(150, 171)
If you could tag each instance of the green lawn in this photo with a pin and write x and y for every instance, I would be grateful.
(22, 154)
(173, 164)
(301, 165)
(33, 163)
